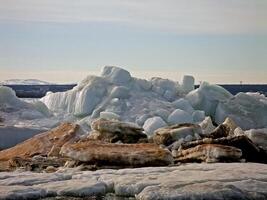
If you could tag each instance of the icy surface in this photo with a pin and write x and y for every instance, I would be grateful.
(191, 181)
(179, 116)
(152, 124)
(188, 83)
(24, 82)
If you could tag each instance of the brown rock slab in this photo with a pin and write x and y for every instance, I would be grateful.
(168, 135)
(132, 155)
(114, 131)
(208, 153)
(45, 144)
(250, 151)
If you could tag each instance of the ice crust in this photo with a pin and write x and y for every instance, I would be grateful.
(191, 181)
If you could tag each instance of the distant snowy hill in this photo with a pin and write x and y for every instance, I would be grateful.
(24, 82)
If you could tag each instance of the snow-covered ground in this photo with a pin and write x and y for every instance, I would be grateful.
(151, 104)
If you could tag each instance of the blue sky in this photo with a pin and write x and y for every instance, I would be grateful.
(62, 41)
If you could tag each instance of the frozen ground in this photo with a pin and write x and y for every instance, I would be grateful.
(191, 181)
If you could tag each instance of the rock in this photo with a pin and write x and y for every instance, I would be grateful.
(134, 155)
(170, 134)
(221, 131)
(43, 143)
(179, 116)
(209, 153)
(152, 124)
(114, 131)
(250, 152)
(37, 163)
(231, 124)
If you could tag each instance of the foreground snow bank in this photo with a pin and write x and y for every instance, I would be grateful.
(191, 181)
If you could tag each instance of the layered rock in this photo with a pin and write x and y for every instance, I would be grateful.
(250, 151)
(114, 131)
(133, 155)
(45, 144)
(208, 153)
(170, 134)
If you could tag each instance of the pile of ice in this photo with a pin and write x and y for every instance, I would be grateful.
(157, 102)
(15, 111)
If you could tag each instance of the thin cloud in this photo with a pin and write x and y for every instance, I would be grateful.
(178, 16)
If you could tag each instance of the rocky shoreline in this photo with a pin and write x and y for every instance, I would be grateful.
(117, 160)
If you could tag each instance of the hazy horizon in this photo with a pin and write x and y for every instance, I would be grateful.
(63, 41)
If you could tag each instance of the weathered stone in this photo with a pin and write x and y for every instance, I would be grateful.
(208, 153)
(45, 144)
(170, 134)
(113, 131)
(37, 163)
(250, 152)
(221, 131)
(231, 124)
(134, 155)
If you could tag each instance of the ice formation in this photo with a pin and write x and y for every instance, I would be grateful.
(151, 104)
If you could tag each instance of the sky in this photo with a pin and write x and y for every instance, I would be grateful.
(62, 41)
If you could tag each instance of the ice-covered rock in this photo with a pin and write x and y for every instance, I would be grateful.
(179, 116)
(152, 124)
(188, 83)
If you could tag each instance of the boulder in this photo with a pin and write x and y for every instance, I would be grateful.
(250, 151)
(170, 134)
(208, 153)
(133, 155)
(45, 144)
(114, 131)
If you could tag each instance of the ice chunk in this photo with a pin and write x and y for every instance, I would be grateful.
(198, 116)
(188, 83)
(109, 115)
(179, 116)
(153, 124)
(9, 100)
(207, 97)
(41, 107)
(247, 111)
(116, 75)
(258, 136)
(144, 84)
(183, 105)
(165, 87)
(119, 92)
(164, 114)
(207, 126)
(31, 114)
